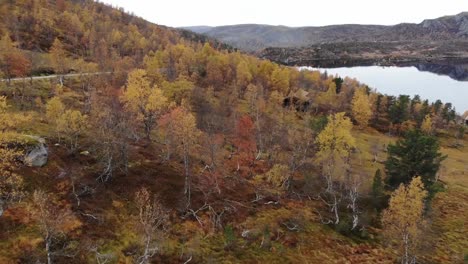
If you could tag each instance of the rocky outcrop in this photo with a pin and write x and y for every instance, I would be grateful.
(37, 153)
(456, 25)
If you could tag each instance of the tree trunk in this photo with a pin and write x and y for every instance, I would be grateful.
(148, 133)
(47, 244)
(1, 208)
(187, 190)
(146, 254)
(259, 131)
(335, 209)
(405, 259)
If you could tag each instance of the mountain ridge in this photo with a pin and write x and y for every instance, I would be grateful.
(255, 37)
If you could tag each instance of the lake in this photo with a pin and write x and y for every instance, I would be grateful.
(449, 84)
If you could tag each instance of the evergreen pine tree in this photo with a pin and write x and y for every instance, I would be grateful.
(415, 154)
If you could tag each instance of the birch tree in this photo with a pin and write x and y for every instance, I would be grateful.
(183, 128)
(58, 58)
(427, 127)
(72, 124)
(147, 103)
(335, 144)
(11, 184)
(361, 108)
(150, 221)
(403, 220)
(54, 221)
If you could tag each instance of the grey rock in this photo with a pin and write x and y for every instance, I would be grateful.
(38, 154)
(245, 233)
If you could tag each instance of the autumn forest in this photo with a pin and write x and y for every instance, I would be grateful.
(122, 141)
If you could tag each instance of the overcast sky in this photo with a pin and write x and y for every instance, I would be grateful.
(177, 13)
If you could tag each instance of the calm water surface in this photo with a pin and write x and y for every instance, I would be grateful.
(409, 81)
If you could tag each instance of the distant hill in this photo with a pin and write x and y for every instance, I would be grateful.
(253, 37)
(199, 29)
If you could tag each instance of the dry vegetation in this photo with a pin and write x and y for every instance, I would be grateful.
(188, 153)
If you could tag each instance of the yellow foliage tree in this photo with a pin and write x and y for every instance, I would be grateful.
(72, 124)
(11, 184)
(185, 66)
(336, 137)
(185, 131)
(244, 77)
(155, 62)
(145, 102)
(58, 58)
(5, 120)
(6, 45)
(274, 181)
(54, 109)
(9, 121)
(278, 175)
(361, 108)
(177, 91)
(329, 98)
(280, 80)
(426, 125)
(335, 144)
(403, 219)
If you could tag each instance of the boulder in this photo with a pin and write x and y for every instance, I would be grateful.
(37, 154)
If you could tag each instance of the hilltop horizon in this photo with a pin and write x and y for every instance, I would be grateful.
(327, 25)
(296, 13)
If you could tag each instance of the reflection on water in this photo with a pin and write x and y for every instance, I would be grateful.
(458, 72)
(430, 81)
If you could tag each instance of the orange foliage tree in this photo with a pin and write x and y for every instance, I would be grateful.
(245, 141)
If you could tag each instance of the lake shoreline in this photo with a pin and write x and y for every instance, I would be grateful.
(456, 68)
(397, 53)
(385, 62)
(428, 81)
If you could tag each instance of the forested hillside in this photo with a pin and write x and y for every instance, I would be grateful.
(154, 145)
(82, 30)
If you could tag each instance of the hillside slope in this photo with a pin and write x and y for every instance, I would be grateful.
(186, 152)
(88, 30)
